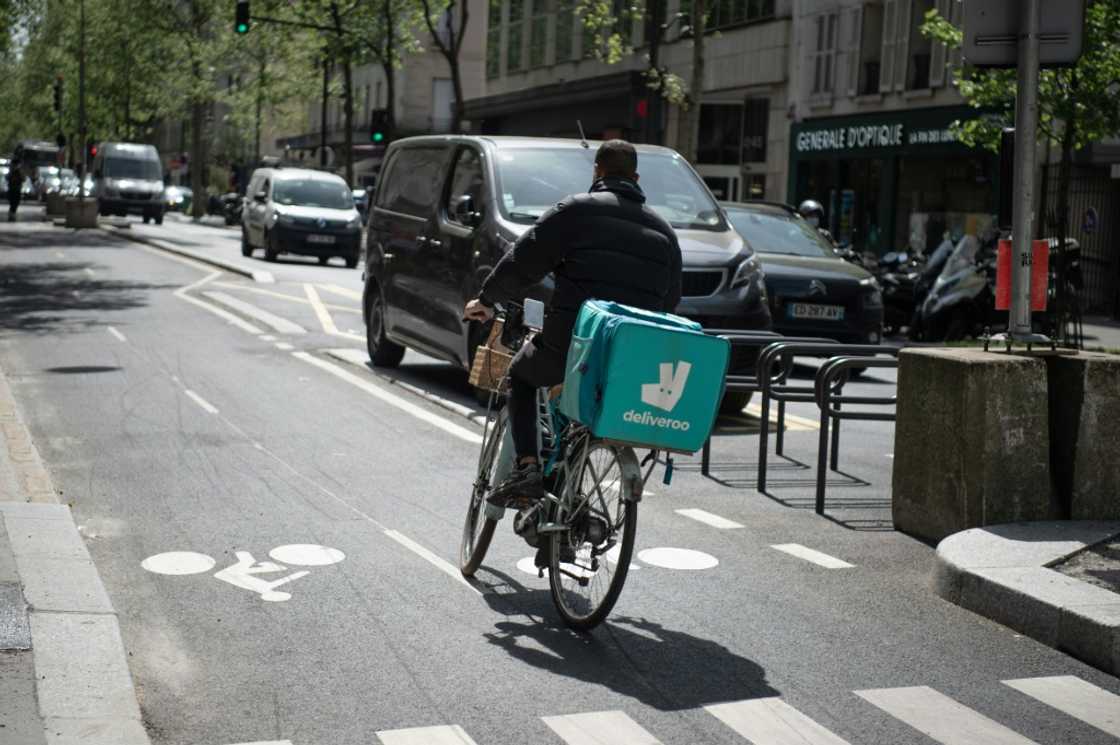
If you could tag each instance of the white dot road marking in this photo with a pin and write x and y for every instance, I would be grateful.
(709, 518)
(816, 557)
(599, 727)
(406, 406)
(307, 555)
(428, 556)
(941, 718)
(677, 558)
(178, 563)
(443, 735)
(529, 563)
(774, 722)
(273, 321)
(284, 346)
(268, 337)
(118, 334)
(1078, 698)
(206, 406)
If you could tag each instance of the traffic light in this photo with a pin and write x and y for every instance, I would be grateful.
(380, 127)
(58, 94)
(91, 149)
(241, 17)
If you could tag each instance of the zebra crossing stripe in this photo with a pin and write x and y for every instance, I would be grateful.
(1076, 697)
(443, 735)
(771, 721)
(941, 718)
(600, 728)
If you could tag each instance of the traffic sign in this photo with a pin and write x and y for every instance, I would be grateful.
(992, 29)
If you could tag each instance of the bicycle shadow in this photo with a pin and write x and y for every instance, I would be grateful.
(663, 668)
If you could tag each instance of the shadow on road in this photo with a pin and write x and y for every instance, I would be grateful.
(57, 296)
(663, 668)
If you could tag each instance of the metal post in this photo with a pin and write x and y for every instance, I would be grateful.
(82, 99)
(1026, 127)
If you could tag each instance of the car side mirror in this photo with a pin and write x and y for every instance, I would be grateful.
(464, 212)
(261, 196)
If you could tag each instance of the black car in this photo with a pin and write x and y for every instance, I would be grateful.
(812, 291)
(447, 208)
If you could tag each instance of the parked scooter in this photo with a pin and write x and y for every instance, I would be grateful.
(898, 274)
(961, 301)
(232, 204)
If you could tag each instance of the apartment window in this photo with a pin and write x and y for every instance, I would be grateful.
(823, 57)
(725, 13)
(565, 23)
(592, 44)
(494, 40)
(871, 49)
(921, 46)
(721, 131)
(538, 33)
(514, 57)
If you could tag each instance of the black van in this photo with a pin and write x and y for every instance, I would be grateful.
(448, 207)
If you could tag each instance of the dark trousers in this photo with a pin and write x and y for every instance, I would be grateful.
(13, 204)
(536, 366)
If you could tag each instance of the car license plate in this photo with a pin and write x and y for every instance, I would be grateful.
(320, 239)
(816, 312)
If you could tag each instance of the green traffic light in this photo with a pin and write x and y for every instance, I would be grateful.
(378, 137)
(242, 28)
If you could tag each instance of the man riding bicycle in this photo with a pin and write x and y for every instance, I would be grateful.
(604, 244)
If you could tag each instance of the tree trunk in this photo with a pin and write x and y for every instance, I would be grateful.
(654, 23)
(323, 110)
(387, 64)
(261, 72)
(696, 90)
(457, 85)
(198, 154)
(348, 116)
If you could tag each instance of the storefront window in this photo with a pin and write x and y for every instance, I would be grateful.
(721, 128)
(942, 195)
(756, 126)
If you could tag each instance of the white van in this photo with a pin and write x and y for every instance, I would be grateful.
(128, 178)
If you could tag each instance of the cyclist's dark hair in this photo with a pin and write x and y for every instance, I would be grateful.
(617, 158)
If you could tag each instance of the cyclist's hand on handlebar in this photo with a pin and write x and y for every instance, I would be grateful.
(476, 311)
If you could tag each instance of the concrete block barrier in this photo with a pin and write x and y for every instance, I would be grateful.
(972, 442)
(1084, 434)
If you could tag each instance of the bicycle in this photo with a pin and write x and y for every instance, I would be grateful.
(590, 511)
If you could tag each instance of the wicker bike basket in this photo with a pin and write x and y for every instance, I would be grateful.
(491, 361)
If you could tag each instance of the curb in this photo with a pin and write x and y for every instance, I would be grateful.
(264, 277)
(1002, 572)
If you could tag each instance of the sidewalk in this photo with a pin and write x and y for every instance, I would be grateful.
(1101, 331)
(1019, 575)
(64, 675)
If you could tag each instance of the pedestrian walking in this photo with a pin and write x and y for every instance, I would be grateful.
(15, 189)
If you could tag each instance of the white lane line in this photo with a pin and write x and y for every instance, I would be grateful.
(344, 292)
(89, 271)
(223, 314)
(273, 321)
(771, 721)
(267, 742)
(709, 518)
(118, 334)
(600, 728)
(324, 315)
(1076, 697)
(428, 556)
(941, 718)
(393, 400)
(59, 255)
(268, 337)
(284, 296)
(284, 346)
(208, 407)
(445, 735)
(816, 557)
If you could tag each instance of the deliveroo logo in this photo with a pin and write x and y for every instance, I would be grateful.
(665, 393)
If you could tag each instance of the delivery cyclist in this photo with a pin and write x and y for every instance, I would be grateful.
(605, 244)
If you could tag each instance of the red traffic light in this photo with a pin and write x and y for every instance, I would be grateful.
(642, 108)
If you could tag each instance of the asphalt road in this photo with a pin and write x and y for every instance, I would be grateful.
(177, 421)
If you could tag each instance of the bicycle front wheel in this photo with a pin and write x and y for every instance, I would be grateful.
(478, 529)
(589, 561)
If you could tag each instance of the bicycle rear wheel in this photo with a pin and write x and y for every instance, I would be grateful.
(478, 529)
(588, 562)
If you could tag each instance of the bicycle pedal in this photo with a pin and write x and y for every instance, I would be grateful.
(552, 528)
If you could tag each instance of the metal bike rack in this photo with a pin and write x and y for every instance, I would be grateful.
(737, 383)
(828, 385)
(773, 387)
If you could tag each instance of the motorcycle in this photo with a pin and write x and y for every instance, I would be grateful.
(232, 204)
(961, 300)
(898, 275)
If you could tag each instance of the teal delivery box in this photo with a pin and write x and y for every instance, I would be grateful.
(649, 379)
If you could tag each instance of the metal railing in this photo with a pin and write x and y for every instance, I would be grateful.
(828, 393)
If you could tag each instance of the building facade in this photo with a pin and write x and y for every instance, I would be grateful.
(870, 139)
(543, 79)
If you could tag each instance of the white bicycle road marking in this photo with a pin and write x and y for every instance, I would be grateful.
(811, 555)
(244, 572)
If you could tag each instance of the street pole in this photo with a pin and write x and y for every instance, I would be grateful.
(1026, 126)
(323, 117)
(82, 99)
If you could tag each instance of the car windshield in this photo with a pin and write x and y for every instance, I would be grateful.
(533, 180)
(132, 168)
(778, 233)
(312, 193)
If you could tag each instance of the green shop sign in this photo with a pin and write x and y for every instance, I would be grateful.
(878, 133)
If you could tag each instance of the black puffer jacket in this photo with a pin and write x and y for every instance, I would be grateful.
(606, 244)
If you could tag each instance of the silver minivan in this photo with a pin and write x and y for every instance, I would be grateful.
(128, 178)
